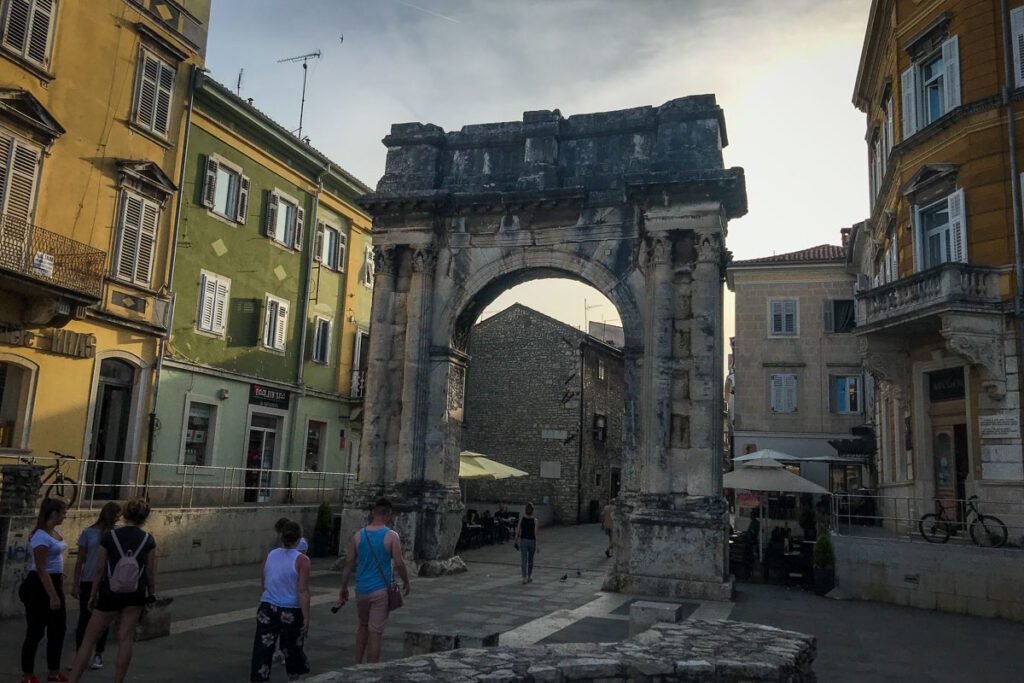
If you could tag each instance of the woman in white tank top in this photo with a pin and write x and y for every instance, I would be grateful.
(284, 609)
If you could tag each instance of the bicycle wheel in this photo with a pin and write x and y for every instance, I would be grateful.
(988, 532)
(934, 529)
(64, 488)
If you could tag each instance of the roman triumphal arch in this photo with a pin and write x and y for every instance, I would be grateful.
(634, 203)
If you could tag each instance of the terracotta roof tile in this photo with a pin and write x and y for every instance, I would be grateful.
(820, 253)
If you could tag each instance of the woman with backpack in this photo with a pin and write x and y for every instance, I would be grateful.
(42, 591)
(124, 582)
(85, 570)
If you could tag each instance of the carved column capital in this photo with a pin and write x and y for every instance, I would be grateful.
(982, 348)
(424, 258)
(658, 249)
(888, 365)
(385, 259)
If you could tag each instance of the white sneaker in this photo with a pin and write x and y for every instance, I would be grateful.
(96, 663)
(279, 657)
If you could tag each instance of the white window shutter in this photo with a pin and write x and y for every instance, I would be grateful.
(918, 238)
(128, 239)
(775, 384)
(16, 28)
(908, 92)
(270, 225)
(6, 147)
(207, 300)
(957, 226)
(147, 243)
(790, 385)
(342, 251)
(300, 219)
(318, 243)
(828, 322)
(368, 267)
(146, 90)
(789, 320)
(775, 324)
(20, 187)
(951, 63)
(210, 182)
(281, 329)
(220, 307)
(892, 259)
(38, 48)
(269, 316)
(243, 199)
(889, 138)
(1017, 31)
(164, 94)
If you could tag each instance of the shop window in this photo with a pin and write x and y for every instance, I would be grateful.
(199, 428)
(16, 385)
(315, 442)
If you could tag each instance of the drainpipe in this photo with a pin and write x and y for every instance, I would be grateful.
(169, 284)
(1011, 134)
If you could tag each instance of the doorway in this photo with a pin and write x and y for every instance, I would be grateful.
(111, 419)
(947, 412)
(260, 451)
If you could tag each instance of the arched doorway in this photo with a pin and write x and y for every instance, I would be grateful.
(633, 203)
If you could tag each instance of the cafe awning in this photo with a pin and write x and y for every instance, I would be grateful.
(769, 475)
(479, 466)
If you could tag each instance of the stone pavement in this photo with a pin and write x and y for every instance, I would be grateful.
(857, 641)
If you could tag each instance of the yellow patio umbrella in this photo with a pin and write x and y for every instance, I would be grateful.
(479, 466)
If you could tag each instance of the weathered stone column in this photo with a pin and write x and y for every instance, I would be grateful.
(656, 385)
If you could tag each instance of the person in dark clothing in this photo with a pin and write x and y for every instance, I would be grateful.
(526, 541)
(42, 592)
(85, 570)
(108, 604)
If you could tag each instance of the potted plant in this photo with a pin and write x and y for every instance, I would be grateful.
(322, 531)
(824, 564)
(809, 522)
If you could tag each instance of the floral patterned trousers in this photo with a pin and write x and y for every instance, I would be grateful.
(273, 622)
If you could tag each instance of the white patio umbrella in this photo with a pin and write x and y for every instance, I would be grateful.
(766, 454)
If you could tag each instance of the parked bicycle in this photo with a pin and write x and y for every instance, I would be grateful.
(987, 531)
(58, 484)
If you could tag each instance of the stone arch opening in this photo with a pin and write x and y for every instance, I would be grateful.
(634, 203)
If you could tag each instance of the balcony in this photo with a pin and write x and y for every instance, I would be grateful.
(39, 264)
(916, 301)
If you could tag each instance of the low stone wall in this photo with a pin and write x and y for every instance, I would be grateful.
(720, 651)
(952, 577)
(186, 539)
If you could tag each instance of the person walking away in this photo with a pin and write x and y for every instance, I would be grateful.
(125, 580)
(85, 570)
(526, 541)
(303, 545)
(371, 552)
(284, 609)
(42, 592)
(608, 523)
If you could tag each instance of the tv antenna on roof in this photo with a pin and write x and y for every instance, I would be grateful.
(305, 69)
(238, 83)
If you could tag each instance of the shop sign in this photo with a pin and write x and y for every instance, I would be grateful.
(60, 342)
(946, 385)
(999, 426)
(268, 397)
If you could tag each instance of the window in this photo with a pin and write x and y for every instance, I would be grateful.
(226, 190)
(890, 267)
(330, 247)
(275, 323)
(368, 266)
(783, 393)
(782, 318)
(283, 221)
(214, 294)
(931, 87)
(838, 315)
(154, 88)
(19, 170)
(321, 340)
(1017, 41)
(887, 129)
(360, 363)
(28, 29)
(16, 389)
(136, 238)
(199, 433)
(941, 229)
(845, 394)
(600, 369)
(315, 442)
(600, 428)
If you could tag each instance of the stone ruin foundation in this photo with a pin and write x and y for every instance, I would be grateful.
(634, 203)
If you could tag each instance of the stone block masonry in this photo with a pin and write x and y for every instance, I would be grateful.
(721, 651)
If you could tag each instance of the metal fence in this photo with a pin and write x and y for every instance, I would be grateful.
(44, 256)
(927, 519)
(172, 485)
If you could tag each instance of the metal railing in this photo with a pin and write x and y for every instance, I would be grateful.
(51, 258)
(174, 485)
(898, 518)
(948, 283)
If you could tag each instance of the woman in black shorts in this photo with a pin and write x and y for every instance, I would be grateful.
(107, 604)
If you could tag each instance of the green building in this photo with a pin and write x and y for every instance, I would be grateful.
(260, 384)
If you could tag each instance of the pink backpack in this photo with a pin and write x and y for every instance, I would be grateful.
(127, 572)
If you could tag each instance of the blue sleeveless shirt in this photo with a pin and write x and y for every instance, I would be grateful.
(281, 578)
(368, 576)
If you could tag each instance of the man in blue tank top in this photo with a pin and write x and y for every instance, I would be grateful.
(371, 552)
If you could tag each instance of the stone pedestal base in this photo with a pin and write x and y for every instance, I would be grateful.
(428, 518)
(679, 552)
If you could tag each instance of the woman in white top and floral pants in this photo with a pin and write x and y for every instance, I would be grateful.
(43, 593)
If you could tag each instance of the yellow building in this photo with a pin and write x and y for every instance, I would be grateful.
(940, 256)
(93, 99)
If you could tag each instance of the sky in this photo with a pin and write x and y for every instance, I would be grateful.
(782, 70)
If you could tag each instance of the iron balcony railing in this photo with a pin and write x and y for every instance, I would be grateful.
(47, 257)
